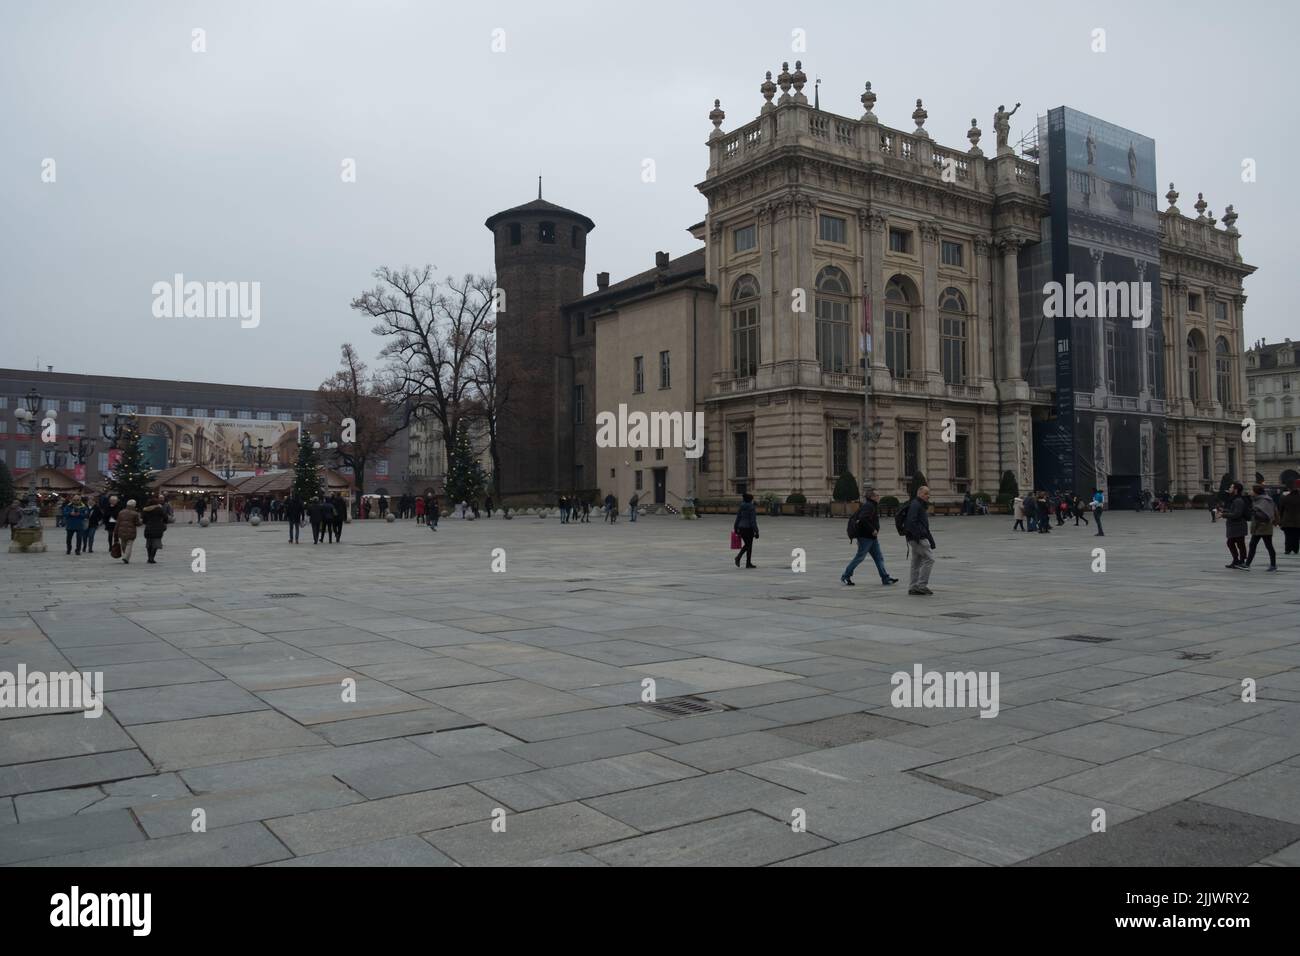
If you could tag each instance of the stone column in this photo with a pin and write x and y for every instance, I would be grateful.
(1099, 324)
(933, 369)
(1178, 293)
(805, 278)
(982, 340)
(1009, 246)
(1145, 387)
(767, 247)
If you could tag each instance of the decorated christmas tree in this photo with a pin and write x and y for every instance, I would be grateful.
(465, 476)
(130, 479)
(306, 474)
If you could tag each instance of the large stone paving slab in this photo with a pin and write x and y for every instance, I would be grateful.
(526, 690)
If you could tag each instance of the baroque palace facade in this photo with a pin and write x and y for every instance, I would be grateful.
(825, 231)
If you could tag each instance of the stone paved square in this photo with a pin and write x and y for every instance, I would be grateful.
(481, 697)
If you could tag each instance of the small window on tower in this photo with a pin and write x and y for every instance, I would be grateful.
(516, 234)
(546, 233)
(577, 237)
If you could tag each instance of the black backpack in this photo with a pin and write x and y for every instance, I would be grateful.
(853, 525)
(900, 519)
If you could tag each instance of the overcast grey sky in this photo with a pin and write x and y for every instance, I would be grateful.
(225, 165)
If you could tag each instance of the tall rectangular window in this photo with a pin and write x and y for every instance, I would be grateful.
(546, 232)
(744, 238)
(961, 457)
(911, 453)
(744, 341)
(76, 405)
(665, 371)
(839, 451)
(23, 459)
(740, 448)
(1289, 440)
(638, 373)
(1206, 466)
(898, 342)
(1153, 365)
(951, 253)
(580, 323)
(952, 348)
(832, 334)
(1232, 462)
(1220, 310)
(831, 229)
(900, 240)
(103, 462)
(640, 484)
(516, 234)
(579, 404)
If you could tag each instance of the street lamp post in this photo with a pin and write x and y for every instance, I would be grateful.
(28, 536)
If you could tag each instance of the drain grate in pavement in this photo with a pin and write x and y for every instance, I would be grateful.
(1196, 655)
(964, 615)
(687, 706)
(1085, 639)
(286, 594)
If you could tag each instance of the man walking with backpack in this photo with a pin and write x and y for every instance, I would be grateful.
(1098, 505)
(864, 529)
(915, 526)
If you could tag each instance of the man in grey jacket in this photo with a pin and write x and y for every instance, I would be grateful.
(920, 541)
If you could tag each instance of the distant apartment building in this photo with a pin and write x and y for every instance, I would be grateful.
(231, 429)
(1272, 397)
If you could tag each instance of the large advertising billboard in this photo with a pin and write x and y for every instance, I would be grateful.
(216, 442)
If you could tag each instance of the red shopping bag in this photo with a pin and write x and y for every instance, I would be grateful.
(735, 541)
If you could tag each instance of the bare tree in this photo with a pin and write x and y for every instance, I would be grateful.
(492, 391)
(353, 393)
(432, 330)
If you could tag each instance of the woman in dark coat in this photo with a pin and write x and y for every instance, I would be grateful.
(747, 527)
(1235, 513)
(155, 523)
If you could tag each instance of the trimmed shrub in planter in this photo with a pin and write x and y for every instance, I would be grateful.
(846, 488)
(889, 504)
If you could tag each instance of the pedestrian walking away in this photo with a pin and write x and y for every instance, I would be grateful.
(155, 523)
(1098, 506)
(1018, 509)
(631, 506)
(920, 542)
(864, 531)
(746, 525)
(293, 511)
(128, 524)
(1263, 516)
(1289, 519)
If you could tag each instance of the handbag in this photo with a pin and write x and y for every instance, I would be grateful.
(735, 541)
(116, 550)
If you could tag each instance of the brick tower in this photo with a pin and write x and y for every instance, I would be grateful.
(540, 258)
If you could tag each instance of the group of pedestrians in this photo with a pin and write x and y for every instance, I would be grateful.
(1034, 512)
(575, 509)
(1258, 514)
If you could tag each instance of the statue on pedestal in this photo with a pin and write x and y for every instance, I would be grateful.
(1002, 125)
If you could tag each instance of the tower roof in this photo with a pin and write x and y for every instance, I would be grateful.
(539, 207)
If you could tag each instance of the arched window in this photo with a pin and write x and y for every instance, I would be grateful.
(1222, 372)
(1193, 368)
(744, 327)
(898, 327)
(546, 232)
(952, 340)
(832, 310)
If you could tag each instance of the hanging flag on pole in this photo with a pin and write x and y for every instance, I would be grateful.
(864, 340)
